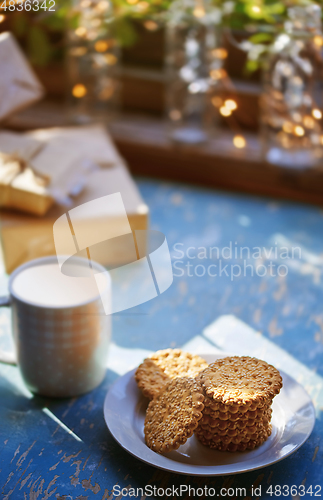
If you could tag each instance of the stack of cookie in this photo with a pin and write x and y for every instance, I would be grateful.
(227, 403)
(238, 393)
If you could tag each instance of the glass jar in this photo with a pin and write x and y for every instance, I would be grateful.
(92, 62)
(193, 64)
(291, 102)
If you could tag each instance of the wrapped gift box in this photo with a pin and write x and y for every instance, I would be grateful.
(25, 237)
(19, 86)
(48, 165)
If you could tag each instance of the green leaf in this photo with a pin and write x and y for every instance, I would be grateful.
(260, 38)
(39, 48)
(252, 66)
(124, 31)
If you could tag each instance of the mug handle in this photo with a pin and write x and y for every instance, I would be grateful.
(7, 357)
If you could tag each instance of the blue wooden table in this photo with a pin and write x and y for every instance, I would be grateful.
(62, 449)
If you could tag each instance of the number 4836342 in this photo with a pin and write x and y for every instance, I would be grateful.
(27, 5)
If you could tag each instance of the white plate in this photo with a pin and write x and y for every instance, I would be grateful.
(292, 421)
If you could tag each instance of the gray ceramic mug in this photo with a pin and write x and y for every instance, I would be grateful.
(60, 330)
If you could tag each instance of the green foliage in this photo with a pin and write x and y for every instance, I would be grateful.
(39, 47)
(38, 29)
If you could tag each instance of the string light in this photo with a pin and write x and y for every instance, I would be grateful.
(79, 90)
(299, 131)
(101, 46)
(239, 141)
(317, 114)
(220, 53)
(2, 18)
(225, 111)
(110, 59)
(256, 9)
(102, 6)
(141, 6)
(230, 104)
(199, 12)
(80, 31)
(318, 40)
(288, 127)
(151, 25)
(308, 122)
(217, 74)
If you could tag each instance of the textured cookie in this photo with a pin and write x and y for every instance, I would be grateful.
(241, 416)
(235, 435)
(157, 370)
(173, 415)
(232, 444)
(218, 425)
(240, 380)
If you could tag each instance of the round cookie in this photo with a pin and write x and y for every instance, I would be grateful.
(165, 365)
(240, 380)
(173, 415)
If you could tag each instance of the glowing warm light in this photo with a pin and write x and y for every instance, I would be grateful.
(79, 90)
(199, 12)
(80, 31)
(217, 74)
(299, 131)
(225, 111)
(239, 141)
(317, 114)
(2, 18)
(102, 6)
(256, 9)
(220, 53)
(141, 6)
(151, 25)
(132, 2)
(321, 139)
(318, 40)
(101, 46)
(175, 115)
(230, 104)
(216, 101)
(110, 59)
(308, 122)
(288, 127)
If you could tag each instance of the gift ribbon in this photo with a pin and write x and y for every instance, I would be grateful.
(17, 174)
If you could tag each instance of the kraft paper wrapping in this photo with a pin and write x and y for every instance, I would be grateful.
(21, 187)
(19, 86)
(25, 237)
(63, 156)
